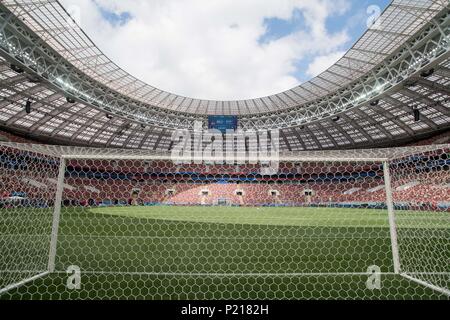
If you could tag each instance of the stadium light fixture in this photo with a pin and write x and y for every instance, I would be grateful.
(17, 69)
(336, 118)
(28, 106)
(70, 100)
(416, 113)
(427, 73)
(375, 103)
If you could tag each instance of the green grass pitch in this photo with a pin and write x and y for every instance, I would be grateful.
(165, 252)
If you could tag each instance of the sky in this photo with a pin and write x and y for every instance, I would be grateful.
(223, 49)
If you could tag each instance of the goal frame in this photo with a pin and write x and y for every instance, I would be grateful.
(384, 160)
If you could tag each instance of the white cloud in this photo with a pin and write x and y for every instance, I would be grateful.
(210, 49)
(322, 63)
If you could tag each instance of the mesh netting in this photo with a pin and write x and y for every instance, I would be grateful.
(116, 224)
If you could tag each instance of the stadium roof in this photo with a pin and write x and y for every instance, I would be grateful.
(401, 20)
(366, 98)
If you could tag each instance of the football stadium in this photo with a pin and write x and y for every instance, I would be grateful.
(111, 188)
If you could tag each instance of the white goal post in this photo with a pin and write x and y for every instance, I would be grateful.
(108, 211)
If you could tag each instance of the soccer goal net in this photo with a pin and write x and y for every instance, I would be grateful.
(84, 223)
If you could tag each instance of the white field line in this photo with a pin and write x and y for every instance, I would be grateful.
(426, 284)
(21, 283)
